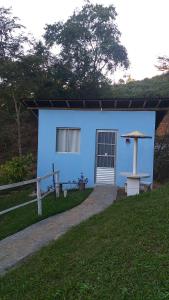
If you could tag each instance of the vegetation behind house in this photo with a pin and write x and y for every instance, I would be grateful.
(80, 69)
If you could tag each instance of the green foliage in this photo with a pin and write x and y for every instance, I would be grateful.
(161, 158)
(90, 47)
(11, 35)
(163, 64)
(17, 169)
(158, 86)
(120, 254)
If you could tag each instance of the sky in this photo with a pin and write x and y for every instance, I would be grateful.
(143, 24)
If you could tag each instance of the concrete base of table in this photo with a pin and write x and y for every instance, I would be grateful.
(133, 182)
(133, 186)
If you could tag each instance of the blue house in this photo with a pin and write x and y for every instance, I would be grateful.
(84, 136)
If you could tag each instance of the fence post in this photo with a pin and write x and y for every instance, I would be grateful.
(57, 184)
(39, 200)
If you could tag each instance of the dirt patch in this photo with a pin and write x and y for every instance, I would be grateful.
(121, 194)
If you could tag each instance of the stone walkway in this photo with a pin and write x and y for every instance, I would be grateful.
(16, 247)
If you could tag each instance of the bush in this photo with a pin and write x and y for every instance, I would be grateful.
(17, 169)
(161, 159)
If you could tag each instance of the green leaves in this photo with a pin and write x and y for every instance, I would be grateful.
(157, 86)
(12, 38)
(17, 169)
(89, 45)
(163, 63)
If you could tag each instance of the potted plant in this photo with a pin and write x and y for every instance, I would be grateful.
(82, 181)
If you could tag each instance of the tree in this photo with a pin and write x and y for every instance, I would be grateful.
(23, 74)
(12, 42)
(11, 37)
(129, 79)
(90, 48)
(121, 81)
(163, 63)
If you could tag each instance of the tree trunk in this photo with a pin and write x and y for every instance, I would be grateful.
(18, 122)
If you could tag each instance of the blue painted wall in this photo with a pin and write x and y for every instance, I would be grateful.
(72, 164)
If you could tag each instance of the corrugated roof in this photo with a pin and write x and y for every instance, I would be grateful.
(131, 104)
(158, 104)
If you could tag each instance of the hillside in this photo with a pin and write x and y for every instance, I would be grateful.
(157, 86)
(119, 254)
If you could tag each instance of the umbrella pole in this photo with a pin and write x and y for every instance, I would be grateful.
(135, 154)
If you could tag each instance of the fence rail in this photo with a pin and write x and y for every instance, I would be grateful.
(17, 206)
(13, 185)
(39, 194)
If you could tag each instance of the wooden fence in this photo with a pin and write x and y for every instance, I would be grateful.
(39, 197)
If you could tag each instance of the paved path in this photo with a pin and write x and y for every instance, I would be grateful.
(18, 246)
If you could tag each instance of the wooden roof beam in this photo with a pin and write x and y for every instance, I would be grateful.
(36, 103)
(115, 103)
(67, 103)
(144, 104)
(84, 104)
(51, 103)
(158, 104)
(108, 109)
(130, 104)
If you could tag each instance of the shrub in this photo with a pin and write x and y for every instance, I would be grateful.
(161, 158)
(17, 169)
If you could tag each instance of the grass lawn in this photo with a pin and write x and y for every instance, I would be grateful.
(122, 253)
(22, 217)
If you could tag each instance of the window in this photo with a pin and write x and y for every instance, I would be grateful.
(68, 140)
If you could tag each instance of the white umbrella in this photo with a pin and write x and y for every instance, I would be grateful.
(135, 135)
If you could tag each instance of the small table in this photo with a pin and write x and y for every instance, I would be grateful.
(133, 182)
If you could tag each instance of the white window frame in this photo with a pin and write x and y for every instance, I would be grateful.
(67, 128)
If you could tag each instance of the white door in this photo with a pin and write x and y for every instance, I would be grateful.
(105, 156)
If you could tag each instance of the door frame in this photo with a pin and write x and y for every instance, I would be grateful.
(115, 160)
